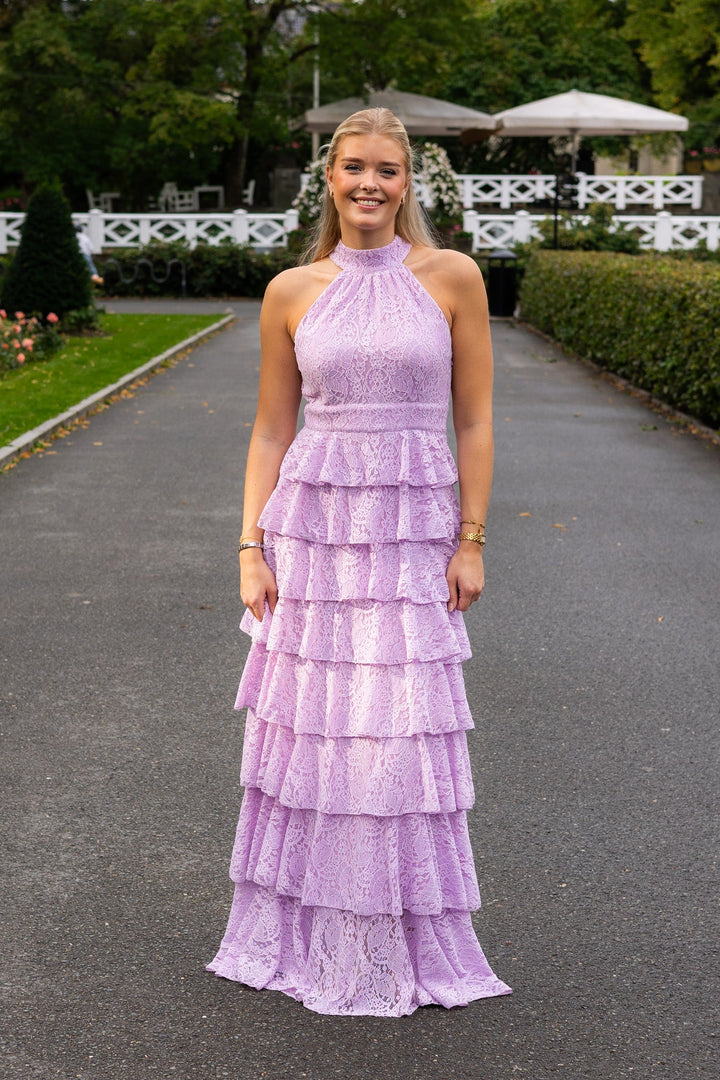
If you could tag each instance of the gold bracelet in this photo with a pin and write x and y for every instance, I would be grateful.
(464, 521)
(476, 537)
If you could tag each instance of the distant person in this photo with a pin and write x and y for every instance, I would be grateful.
(86, 247)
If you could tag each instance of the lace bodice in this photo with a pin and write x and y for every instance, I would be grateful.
(375, 336)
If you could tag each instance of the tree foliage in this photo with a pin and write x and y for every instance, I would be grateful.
(126, 94)
(520, 50)
(679, 41)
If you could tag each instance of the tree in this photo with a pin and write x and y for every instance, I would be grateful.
(519, 50)
(409, 44)
(679, 41)
(48, 272)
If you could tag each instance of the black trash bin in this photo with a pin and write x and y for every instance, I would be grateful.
(502, 282)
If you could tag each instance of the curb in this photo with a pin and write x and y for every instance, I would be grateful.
(29, 438)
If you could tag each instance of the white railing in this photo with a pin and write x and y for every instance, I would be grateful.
(622, 191)
(658, 232)
(661, 232)
(108, 231)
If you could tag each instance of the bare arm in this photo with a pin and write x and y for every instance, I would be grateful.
(472, 418)
(273, 431)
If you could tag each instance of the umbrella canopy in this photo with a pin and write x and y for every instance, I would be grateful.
(586, 114)
(421, 115)
(577, 113)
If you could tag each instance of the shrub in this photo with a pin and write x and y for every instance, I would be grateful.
(651, 319)
(48, 272)
(226, 269)
(440, 179)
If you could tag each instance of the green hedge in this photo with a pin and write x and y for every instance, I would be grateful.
(651, 319)
(226, 269)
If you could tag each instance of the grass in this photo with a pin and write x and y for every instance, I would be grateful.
(36, 392)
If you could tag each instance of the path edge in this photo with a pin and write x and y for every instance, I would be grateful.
(689, 424)
(29, 438)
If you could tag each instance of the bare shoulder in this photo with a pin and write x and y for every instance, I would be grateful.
(454, 265)
(286, 284)
(293, 291)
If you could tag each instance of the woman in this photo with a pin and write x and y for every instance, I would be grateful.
(353, 869)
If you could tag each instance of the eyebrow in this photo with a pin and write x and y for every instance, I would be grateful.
(359, 161)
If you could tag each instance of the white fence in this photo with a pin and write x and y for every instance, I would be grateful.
(107, 231)
(661, 232)
(622, 191)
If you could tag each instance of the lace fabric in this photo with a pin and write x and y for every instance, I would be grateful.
(354, 877)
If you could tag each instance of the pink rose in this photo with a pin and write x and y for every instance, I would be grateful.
(21, 358)
(52, 317)
(3, 313)
(19, 314)
(16, 344)
(27, 343)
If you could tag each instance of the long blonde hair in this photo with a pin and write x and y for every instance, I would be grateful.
(410, 222)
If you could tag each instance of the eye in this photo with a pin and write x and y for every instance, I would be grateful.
(352, 167)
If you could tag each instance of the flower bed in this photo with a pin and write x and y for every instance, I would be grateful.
(651, 319)
(23, 339)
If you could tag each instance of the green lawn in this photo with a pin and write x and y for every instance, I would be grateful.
(36, 392)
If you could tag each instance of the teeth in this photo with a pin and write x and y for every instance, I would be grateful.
(368, 202)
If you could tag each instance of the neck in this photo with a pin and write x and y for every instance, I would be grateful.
(366, 240)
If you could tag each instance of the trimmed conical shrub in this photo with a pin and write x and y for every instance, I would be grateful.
(48, 272)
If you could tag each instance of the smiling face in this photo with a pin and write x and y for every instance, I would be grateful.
(368, 180)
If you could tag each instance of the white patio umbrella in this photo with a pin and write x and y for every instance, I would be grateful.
(421, 115)
(577, 113)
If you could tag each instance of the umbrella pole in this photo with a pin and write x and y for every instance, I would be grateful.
(575, 144)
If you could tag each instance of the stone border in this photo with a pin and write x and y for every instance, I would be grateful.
(26, 441)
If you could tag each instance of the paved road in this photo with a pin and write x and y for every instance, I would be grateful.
(595, 683)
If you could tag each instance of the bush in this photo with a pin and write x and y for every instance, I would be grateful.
(48, 272)
(651, 319)
(226, 269)
(24, 339)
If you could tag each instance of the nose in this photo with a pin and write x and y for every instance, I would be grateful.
(368, 182)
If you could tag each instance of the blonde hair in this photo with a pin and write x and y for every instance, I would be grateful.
(410, 222)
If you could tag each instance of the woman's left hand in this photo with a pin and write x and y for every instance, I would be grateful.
(465, 576)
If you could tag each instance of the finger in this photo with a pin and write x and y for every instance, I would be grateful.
(272, 598)
(453, 601)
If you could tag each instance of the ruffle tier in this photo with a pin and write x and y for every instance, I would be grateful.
(361, 631)
(370, 458)
(402, 570)
(340, 963)
(359, 775)
(361, 515)
(422, 863)
(345, 699)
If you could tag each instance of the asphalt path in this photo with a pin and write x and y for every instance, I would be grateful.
(595, 684)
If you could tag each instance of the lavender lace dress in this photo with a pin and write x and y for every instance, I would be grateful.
(354, 875)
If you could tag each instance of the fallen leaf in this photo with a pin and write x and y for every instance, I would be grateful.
(526, 513)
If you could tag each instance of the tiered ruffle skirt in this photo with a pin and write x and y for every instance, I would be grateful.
(354, 876)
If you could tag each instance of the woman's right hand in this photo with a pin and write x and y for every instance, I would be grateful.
(257, 583)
